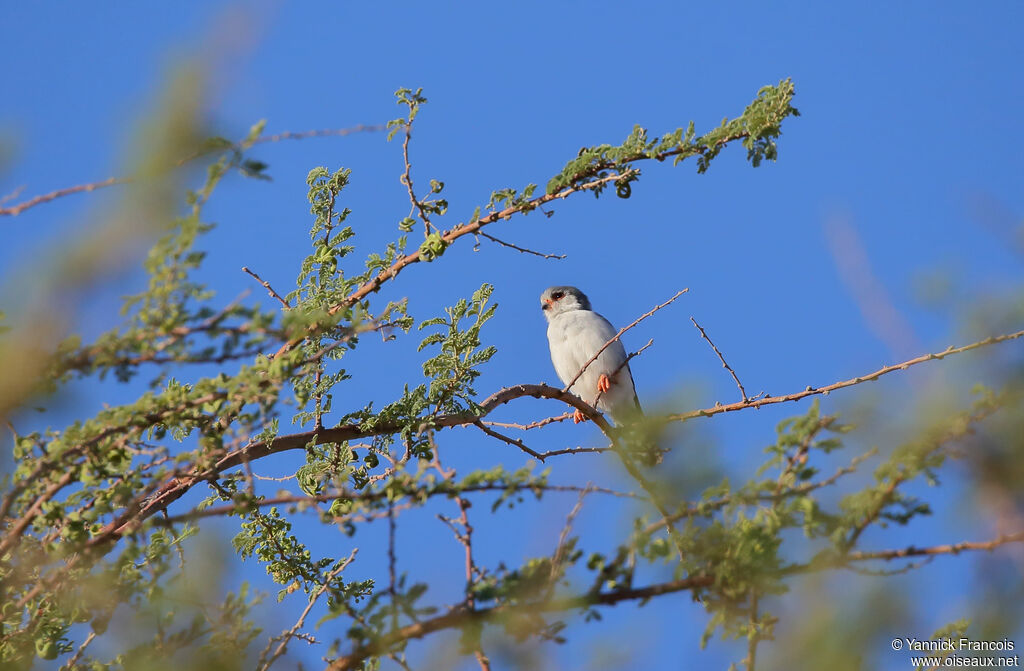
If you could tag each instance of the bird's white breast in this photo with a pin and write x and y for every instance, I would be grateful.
(574, 338)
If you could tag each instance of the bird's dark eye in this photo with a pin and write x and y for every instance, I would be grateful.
(557, 295)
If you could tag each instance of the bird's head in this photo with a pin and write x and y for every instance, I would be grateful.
(556, 300)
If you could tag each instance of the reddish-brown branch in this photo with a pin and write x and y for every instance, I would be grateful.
(510, 441)
(703, 334)
(519, 249)
(266, 285)
(406, 180)
(176, 488)
(953, 548)
(812, 391)
(559, 557)
(374, 284)
(532, 425)
(375, 495)
(461, 616)
(15, 210)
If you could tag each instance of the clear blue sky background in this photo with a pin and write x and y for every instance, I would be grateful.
(905, 165)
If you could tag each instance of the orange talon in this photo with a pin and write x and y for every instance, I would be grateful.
(603, 384)
(578, 417)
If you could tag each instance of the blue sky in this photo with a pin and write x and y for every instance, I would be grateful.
(905, 160)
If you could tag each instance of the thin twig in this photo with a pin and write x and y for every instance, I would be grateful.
(743, 392)
(799, 457)
(716, 504)
(622, 365)
(812, 391)
(291, 633)
(574, 450)
(111, 181)
(15, 210)
(12, 195)
(619, 335)
(754, 635)
(392, 561)
(520, 249)
(327, 132)
(511, 441)
(559, 556)
(461, 616)
(406, 179)
(10, 427)
(449, 237)
(465, 538)
(954, 548)
(266, 285)
(532, 425)
(482, 659)
(78, 653)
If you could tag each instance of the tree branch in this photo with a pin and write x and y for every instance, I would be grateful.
(461, 616)
(266, 285)
(811, 391)
(15, 210)
(461, 230)
(519, 249)
(743, 392)
(177, 487)
(934, 550)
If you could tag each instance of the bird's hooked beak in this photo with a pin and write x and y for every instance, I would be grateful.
(547, 304)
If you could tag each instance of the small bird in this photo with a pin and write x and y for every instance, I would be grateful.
(575, 334)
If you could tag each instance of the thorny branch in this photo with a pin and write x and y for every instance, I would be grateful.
(407, 181)
(461, 616)
(177, 487)
(266, 285)
(460, 230)
(812, 391)
(954, 548)
(519, 249)
(511, 441)
(618, 176)
(743, 392)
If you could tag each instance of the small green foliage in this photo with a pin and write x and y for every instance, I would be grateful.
(433, 247)
(412, 100)
(454, 368)
(758, 128)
